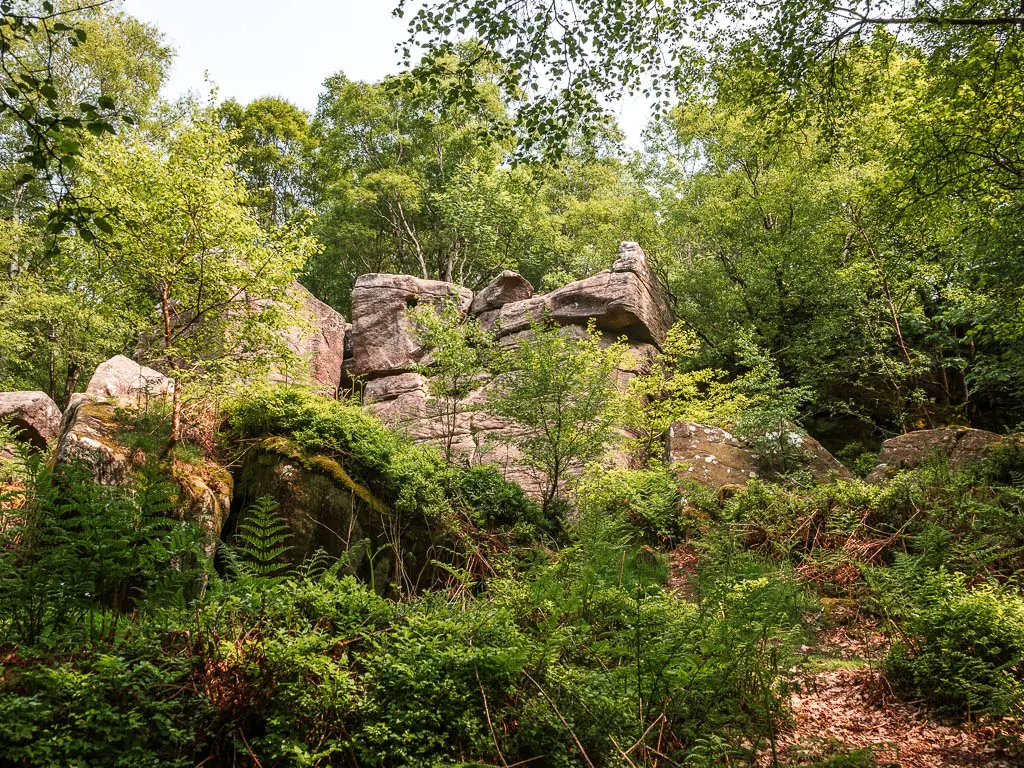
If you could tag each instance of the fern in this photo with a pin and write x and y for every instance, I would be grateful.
(261, 540)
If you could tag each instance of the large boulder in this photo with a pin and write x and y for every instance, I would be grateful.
(383, 339)
(624, 300)
(716, 458)
(956, 445)
(709, 455)
(326, 509)
(89, 437)
(122, 379)
(34, 414)
(319, 340)
(504, 289)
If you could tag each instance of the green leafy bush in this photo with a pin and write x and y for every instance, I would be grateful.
(961, 648)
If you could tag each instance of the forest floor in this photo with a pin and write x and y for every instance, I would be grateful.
(842, 702)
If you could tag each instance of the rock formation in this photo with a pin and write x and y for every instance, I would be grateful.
(956, 445)
(319, 340)
(121, 378)
(383, 342)
(623, 301)
(34, 414)
(716, 458)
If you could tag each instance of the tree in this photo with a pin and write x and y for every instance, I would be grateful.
(458, 353)
(272, 137)
(559, 388)
(187, 242)
(571, 56)
(70, 71)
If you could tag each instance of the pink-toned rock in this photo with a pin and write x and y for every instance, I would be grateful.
(34, 414)
(319, 341)
(956, 445)
(514, 317)
(504, 289)
(391, 387)
(383, 341)
(121, 378)
(626, 299)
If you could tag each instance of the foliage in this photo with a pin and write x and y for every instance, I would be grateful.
(558, 389)
(960, 647)
(80, 555)
(413, 480)
(647, 498)
(458, 352)
(190, 244)
(261, 539)
(274, 144)
(675, 388)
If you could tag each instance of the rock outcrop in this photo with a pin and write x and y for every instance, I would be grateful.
(320, 341)
(121, 378)
(956, 445)
(716, 458)
(624, 300)
(504, 289)
(383, 341)
(33, 414)
(91, 435)
(327, 510)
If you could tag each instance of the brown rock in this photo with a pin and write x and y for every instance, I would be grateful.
(709, 455)
(383, 341)
(514, 317)
(504, 289)
(624, 300)
(34, 414)
(957, 445)
(122, 379)
(714, 457)
(391, 387)
(320, 340)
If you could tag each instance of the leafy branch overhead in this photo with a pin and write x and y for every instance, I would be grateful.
(563, 62)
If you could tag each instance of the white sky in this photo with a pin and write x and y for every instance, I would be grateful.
(254, 48)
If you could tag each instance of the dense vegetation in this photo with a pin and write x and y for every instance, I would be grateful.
(831, 198)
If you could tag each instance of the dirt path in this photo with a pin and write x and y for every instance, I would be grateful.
(844, 703)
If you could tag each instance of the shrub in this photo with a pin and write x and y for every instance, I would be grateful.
(961, 648)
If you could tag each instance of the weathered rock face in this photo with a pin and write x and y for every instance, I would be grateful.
(709, 455)
(321, 342)
(121, 378)
(624, 300)
(89, 436)
(715, 458)
(383, 342)
(504, 289)
(957, 445)
(34, 414)
(326, 509)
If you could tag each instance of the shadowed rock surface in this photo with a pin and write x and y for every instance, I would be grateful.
(383, 342)
(34, 414)
(956, 445)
